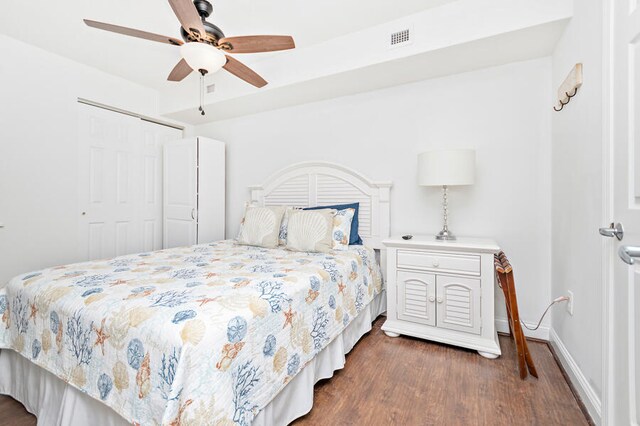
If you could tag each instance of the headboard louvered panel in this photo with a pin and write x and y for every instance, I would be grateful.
(334, 190)
(294, 192)
(319, 183)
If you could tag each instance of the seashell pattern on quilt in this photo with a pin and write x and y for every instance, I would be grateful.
(212, 331)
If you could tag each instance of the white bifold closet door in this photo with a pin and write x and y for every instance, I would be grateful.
(194, 192)
(120, 183)
(180, 194)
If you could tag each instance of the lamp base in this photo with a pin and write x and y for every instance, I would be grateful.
(445, 235)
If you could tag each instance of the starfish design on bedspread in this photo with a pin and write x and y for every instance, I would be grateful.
(101, 336)
(34, 311)
(204, 300)
(341, 287)
(178, 420)
(288, 317)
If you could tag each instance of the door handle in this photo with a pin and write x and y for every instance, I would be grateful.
(614, 230)
(628, 254)
(193, 213)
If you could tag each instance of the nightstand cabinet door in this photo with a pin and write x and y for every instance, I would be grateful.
(416, 297)
(459, 303)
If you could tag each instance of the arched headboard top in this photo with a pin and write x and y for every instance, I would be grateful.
(319, 183)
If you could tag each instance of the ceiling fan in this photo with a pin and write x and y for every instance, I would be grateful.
(204, 47)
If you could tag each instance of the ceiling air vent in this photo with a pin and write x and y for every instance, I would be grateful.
(400, 38)
(211, 88)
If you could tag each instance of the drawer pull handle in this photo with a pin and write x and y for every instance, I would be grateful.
(435, 263)
(440, 300)
(432, 299)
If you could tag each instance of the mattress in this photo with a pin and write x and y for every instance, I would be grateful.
(205, 332)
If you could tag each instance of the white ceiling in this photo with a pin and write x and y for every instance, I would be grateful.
(57, 26)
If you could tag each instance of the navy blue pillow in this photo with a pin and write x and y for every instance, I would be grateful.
(354, 238)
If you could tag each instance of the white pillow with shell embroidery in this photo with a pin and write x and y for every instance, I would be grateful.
(310, 230)
(261, 226)
(284, 224)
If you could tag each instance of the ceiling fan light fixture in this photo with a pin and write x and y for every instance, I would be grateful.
(202, 56)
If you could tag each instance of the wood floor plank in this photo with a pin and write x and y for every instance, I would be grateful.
(406, 381)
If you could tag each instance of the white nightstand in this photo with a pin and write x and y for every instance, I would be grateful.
(443, 291)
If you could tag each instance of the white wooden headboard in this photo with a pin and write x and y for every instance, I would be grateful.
(317, 183)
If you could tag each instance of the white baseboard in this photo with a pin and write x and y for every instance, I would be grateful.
(577, 378)
(542, 333)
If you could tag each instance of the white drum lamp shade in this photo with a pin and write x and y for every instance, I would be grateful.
(448, 167)
(202, 56)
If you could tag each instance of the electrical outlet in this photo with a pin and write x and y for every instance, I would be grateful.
(570, 302)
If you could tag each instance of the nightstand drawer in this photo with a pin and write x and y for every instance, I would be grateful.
(433, 261)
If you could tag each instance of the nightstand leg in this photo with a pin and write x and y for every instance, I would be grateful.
(391, 334)
(488, 355)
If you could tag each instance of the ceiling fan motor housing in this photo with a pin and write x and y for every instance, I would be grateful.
(203, 7)
(214, 33)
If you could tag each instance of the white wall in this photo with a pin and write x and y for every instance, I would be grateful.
(39, 148)
(577, 202)
(502, 112)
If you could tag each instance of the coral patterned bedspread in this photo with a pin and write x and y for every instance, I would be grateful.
(207, 334)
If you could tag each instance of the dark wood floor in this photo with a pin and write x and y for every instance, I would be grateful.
(405, 381)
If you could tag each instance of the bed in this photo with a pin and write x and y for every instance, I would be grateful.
(210, 334)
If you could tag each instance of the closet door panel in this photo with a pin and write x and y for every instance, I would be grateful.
(180, 186)
(211, 190)
(155, 137)
(120, 183)
(107, 145)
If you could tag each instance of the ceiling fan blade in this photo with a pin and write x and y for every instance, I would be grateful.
(188, 16)
(180, 71)
(133, 32)
(257, 43)
(243, 72)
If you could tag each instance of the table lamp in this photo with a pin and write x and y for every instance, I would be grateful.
(446, 168)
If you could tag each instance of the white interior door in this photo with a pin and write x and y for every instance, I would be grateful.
(120, 183)
(155, 137)
(623, 395)
(180, 193)
(109, 151)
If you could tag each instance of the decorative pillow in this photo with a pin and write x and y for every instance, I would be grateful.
(247, 204)
(354, 238)
(261, 226)
(342, 228)
(310, 230)
(283, 225)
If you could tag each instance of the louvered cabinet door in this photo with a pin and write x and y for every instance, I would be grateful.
(458, 303)
(416, 297)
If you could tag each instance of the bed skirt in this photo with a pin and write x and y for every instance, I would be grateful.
(54, 402)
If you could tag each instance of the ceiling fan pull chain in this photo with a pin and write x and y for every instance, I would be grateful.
(201, 109)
